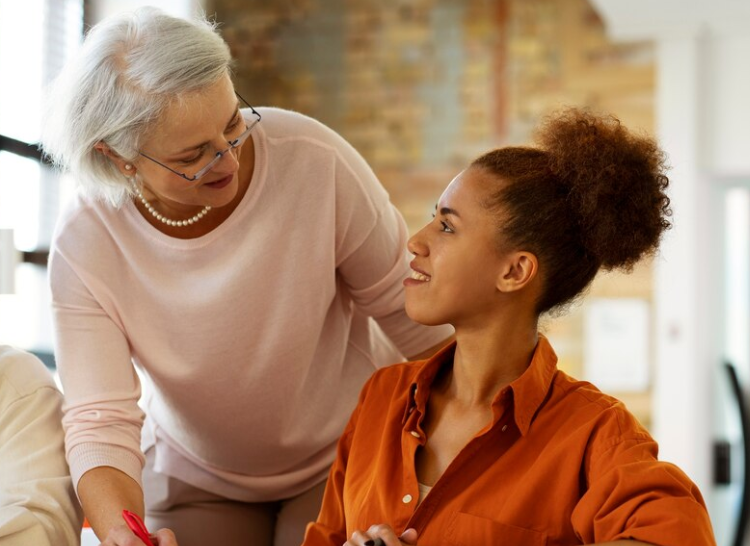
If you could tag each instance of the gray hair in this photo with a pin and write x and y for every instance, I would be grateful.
(128, 71)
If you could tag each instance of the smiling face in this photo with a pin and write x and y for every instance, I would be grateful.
(191, 132)
(459, 274)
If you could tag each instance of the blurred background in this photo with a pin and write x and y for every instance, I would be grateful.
(421, 87)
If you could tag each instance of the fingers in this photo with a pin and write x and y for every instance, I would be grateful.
(409, 536)
(359, 538)
(382, 535)
(164, 537)
(385, 533)
(121, 535)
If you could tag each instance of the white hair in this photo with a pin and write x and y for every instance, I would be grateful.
(130, 68)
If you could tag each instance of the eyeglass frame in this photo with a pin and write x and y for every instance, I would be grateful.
(233, 144)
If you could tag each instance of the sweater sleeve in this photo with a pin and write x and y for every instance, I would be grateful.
(631, 495)
(375, 273)
(371, 253)
(102, 419)
(37, 502)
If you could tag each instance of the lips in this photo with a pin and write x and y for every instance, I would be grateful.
(221, 183)
(418, 274)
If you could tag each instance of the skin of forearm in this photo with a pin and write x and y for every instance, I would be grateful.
(105, 492)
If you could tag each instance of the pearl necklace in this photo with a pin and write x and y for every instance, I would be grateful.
(176, 223)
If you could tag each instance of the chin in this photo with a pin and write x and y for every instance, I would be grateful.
(424, 316)
(224, 196)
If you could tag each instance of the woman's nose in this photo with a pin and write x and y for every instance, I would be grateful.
(228, 165)
(417, 245)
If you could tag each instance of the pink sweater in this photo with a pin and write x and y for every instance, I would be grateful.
(255, 337)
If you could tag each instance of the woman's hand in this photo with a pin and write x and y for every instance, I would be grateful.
(383, 534)
(121, 535)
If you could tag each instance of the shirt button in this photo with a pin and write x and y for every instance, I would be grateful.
(406, 499)
(414, 433)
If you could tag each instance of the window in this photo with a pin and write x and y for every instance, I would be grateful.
(32, 51)
(36, 38)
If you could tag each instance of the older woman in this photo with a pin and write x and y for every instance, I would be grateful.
(236, 257)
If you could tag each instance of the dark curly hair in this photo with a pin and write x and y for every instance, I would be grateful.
(592, 195)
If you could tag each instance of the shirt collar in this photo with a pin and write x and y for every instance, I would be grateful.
(529, 390)
(419, 390)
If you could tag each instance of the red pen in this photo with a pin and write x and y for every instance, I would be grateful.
(136, 525)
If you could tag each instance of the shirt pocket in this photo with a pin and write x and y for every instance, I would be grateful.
(468, 530)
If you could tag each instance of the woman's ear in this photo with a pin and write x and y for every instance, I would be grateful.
(125, 167)
(519, 269)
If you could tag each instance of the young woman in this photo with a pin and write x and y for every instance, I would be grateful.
(488, 442)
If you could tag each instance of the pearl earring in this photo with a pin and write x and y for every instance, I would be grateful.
(128, 166)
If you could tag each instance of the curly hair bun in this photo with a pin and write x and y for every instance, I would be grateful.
(615, 181)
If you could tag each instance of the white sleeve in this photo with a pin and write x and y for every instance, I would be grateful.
(37, 502)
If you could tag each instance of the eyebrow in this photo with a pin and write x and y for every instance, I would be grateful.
(447, 210)
(202, 144)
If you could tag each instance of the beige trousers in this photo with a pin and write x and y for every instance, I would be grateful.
(200, 518)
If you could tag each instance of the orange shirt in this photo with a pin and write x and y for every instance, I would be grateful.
(560, 464)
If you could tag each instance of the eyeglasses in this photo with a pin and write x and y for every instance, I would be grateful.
(237, 142)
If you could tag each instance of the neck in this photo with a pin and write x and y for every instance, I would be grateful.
(166, 212)
(181, 221)
(489, 358)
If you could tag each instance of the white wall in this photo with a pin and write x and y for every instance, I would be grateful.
(703, 123)
(728, 106)
(180, 8)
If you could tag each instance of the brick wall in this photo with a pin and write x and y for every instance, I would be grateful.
(420, 87)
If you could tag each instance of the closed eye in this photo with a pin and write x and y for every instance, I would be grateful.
(230, 129)
(232, 126)
(192, 160)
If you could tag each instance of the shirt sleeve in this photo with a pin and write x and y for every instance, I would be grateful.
(37, 502)
(633, 496)
(102, 419)
(330, 527)
(371, 254)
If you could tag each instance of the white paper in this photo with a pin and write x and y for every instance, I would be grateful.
(616, 347)
(8, 261)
